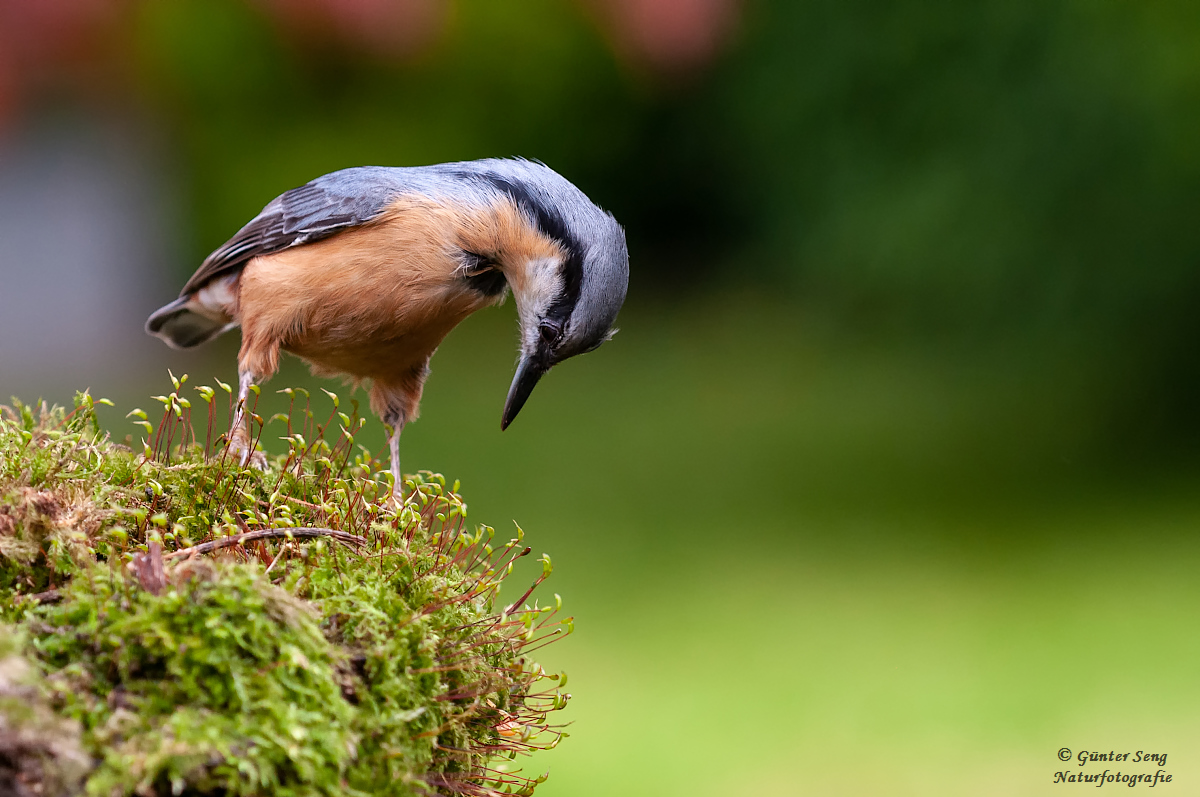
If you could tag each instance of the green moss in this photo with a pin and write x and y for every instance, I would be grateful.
(197, 646)
(40, 752)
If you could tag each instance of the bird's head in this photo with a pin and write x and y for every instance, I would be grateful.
(567, 301)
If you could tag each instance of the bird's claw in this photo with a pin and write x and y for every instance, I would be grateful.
(246, 455)
(397, 498)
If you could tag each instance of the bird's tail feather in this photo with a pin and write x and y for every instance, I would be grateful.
(181, 327)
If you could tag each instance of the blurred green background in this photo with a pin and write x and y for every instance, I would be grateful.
(888, 484)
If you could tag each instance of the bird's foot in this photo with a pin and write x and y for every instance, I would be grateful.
(397, 499)
(246, 455)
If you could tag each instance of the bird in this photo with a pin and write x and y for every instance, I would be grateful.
(363, 272)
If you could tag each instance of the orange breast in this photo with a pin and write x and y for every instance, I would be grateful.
(374, 301)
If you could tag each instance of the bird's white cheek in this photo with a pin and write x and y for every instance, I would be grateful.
(536, 288)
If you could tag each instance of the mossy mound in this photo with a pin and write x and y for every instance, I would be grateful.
(175, 624)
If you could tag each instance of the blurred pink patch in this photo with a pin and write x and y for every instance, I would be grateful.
(383, 27)
(670, 36)
(43, 44)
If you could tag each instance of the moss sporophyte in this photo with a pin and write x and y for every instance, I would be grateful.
(174, 624)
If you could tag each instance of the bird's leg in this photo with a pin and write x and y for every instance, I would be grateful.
(396, 421)
(396, 402)
(241, 443)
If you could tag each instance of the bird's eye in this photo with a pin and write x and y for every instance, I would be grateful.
(551, 332)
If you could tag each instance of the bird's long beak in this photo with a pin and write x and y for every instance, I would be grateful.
(529, 371)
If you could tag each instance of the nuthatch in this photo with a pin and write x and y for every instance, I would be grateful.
(363, 272)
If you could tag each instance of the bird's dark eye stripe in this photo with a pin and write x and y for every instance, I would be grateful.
(551, 224)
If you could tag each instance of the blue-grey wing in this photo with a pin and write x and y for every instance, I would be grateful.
(316, 210)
